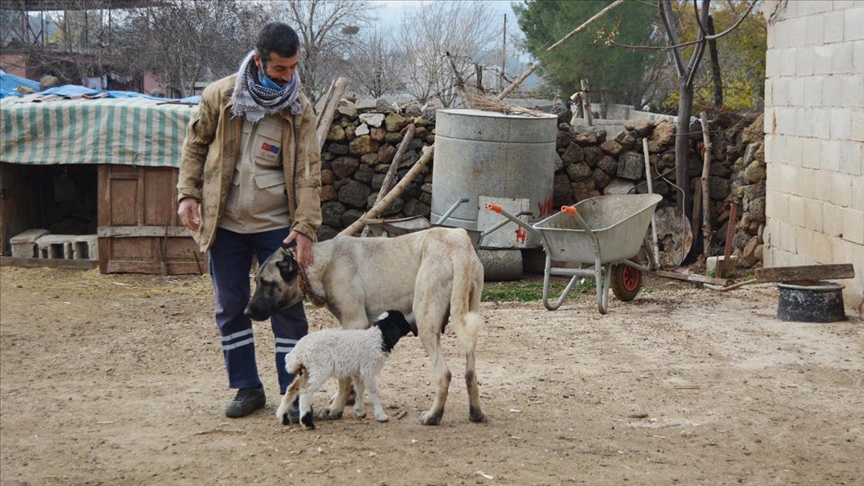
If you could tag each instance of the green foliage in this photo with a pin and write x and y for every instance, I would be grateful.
(741, 55)
(531, 290)
(618, 72)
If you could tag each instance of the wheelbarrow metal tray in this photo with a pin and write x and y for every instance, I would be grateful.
(619, 222)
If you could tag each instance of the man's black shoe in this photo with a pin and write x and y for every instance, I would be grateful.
(245, 402)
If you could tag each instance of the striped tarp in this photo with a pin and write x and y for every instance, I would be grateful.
(130, 131)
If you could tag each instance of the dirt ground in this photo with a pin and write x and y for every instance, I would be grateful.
(118, 379)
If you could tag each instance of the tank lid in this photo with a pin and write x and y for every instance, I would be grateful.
(491, 114)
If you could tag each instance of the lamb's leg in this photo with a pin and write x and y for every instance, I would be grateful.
(359, 409)
(372, 383)
(290, 394)
(315, 382)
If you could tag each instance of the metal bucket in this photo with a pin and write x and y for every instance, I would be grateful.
(492, 154)
(811, 302)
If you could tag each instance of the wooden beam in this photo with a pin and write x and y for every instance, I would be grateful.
(142, 231)
(692, 278)
(807, 273)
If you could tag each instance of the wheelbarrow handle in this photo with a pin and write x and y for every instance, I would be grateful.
(571, 210)
(514, 218)
(452, 209)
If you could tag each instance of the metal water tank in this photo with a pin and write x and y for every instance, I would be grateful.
(481, 153)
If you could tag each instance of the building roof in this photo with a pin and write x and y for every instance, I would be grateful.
(46, 5)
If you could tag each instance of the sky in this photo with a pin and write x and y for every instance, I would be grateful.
(390, 12)
(392, 9)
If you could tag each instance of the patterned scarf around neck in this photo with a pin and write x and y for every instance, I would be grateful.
(253, 100)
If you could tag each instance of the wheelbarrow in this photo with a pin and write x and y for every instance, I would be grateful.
(400, 226)
(606, 231)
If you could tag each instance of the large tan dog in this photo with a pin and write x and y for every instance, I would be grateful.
(434, 274)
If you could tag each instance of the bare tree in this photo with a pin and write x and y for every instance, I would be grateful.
(686, 76)
(376, 65)
(186, 41)
(326, 29)
(464, 28)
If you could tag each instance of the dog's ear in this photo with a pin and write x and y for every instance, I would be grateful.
(287, 265)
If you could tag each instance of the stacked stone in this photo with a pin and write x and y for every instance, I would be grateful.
(593, 164)
(364, 137)
(748, 188)
(359, 149)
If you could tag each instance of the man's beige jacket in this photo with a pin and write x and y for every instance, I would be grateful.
(212, 148)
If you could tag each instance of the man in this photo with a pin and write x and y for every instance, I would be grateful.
(249, 182)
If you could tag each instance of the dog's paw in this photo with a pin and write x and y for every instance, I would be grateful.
(359, 412)
(429, 418)
(476, 415)
(328, 414)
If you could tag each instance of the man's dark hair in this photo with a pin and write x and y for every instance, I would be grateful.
(279, 38)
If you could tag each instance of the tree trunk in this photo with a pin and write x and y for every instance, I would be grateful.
(715, 67)
(682, 149)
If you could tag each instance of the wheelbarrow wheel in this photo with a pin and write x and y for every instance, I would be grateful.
(626, 282)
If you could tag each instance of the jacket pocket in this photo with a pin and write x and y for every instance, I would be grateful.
(271, 196)
(267, 145)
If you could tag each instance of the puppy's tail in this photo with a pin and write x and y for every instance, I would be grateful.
(468, 330)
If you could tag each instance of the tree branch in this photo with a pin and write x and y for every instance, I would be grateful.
(672, 32)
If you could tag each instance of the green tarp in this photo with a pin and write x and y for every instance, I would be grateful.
(131, 131)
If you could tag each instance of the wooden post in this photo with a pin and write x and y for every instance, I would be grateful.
(326, 116)
(649, 178)
(503, 76)
(586, 101)
(730, 234)
(706, 200)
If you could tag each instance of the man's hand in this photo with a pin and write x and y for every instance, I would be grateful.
(189, 213)
(303, 250)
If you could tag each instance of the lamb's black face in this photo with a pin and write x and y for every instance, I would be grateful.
(277, 286)
(393, 326)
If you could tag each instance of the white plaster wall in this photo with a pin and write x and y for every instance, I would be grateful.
(814, 136)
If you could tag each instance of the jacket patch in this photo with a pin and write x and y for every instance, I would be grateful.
(270, 148)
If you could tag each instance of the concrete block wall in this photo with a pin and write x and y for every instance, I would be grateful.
(814, 136)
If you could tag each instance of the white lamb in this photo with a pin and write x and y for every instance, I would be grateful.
(341, 353)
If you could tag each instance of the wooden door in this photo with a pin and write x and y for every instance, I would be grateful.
(19, 209)
(139, 231)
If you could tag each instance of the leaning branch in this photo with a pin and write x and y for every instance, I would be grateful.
(329, 112)
(518, 81)
(381, 205)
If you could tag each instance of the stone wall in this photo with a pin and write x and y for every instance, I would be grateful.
(594, 163)
(364, 137)
(359, 149)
